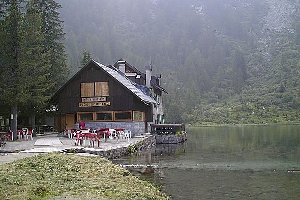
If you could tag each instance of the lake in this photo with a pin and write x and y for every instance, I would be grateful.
(248, 162)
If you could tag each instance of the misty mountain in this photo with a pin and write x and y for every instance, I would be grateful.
(222, 61)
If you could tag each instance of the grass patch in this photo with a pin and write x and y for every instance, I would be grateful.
(65, 176)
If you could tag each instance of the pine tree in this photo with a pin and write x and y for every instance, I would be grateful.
(35, 62)
(11, 73)
(2, 9)
(2, 42)
(49, 61)
(53, 41)
(86, 57)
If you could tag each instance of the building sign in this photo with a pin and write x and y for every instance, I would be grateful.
(93, 104)
(93, 99)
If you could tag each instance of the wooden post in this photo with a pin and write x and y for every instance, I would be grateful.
(14, 121)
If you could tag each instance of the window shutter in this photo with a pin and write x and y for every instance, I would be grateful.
(101, 89)
(87, 89)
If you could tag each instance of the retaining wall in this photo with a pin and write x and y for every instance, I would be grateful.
(170, 139)
(146, 143)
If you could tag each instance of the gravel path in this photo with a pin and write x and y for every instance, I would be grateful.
(13, 150)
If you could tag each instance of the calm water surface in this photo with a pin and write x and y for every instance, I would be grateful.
(250, 162)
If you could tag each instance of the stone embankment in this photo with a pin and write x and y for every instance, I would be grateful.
(171, 139)
(118, 151)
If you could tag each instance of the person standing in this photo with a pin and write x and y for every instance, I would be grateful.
(81, 125)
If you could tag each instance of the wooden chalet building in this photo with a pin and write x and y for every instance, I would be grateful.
(118, 96)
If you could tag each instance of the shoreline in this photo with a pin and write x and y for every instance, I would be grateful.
(240, 125)
(14, 150)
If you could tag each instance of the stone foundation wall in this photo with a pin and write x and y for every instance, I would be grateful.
(146, 144)
(143, 145)
(170, 139)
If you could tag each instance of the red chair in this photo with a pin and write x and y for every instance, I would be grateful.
(98, 139)
(9, 136)
(79, 138)
(103, 133)
(91, 137)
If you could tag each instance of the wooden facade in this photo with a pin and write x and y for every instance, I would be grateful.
(94, 95)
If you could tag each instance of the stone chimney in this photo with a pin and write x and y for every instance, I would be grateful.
(148, 76)
(121, 66)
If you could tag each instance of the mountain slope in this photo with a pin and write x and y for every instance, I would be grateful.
(222, 61)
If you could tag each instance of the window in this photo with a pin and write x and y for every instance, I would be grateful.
(123, 116)
(105, 116)
(85, 116)
(111, 116)
(101, 89)
(138, 116)
(96, 89)
(87, 89)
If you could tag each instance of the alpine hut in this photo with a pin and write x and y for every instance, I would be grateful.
(117, 96)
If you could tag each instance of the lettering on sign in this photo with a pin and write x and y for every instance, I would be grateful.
(94, 104)
(93, 99)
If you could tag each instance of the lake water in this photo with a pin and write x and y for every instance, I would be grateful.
(249, 162)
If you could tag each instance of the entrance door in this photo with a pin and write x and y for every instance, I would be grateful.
(62, 123)
(70, 121)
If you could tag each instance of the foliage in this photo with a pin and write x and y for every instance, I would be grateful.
(12, 89)
(132, 149)
(34, 58)
(52, 29)
(71, 176)
(86, 57)
(33, 61)
(222, 61)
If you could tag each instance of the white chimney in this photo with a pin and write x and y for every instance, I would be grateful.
(148, 76)
(121, 65)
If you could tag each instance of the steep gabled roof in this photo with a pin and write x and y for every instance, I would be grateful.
(117, 75)
(128, 65)
(154, 79)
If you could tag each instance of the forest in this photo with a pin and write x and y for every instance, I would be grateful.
(222, 61)
(32, 58)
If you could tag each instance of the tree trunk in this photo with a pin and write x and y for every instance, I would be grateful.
(14, 121)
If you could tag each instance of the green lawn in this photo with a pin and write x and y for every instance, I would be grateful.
(62, 176)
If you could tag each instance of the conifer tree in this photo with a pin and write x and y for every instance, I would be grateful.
(86, 57)
(11, 72)
(35, 62)
(52, 29)
(44, 54)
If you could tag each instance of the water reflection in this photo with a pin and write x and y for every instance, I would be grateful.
(250, 162)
